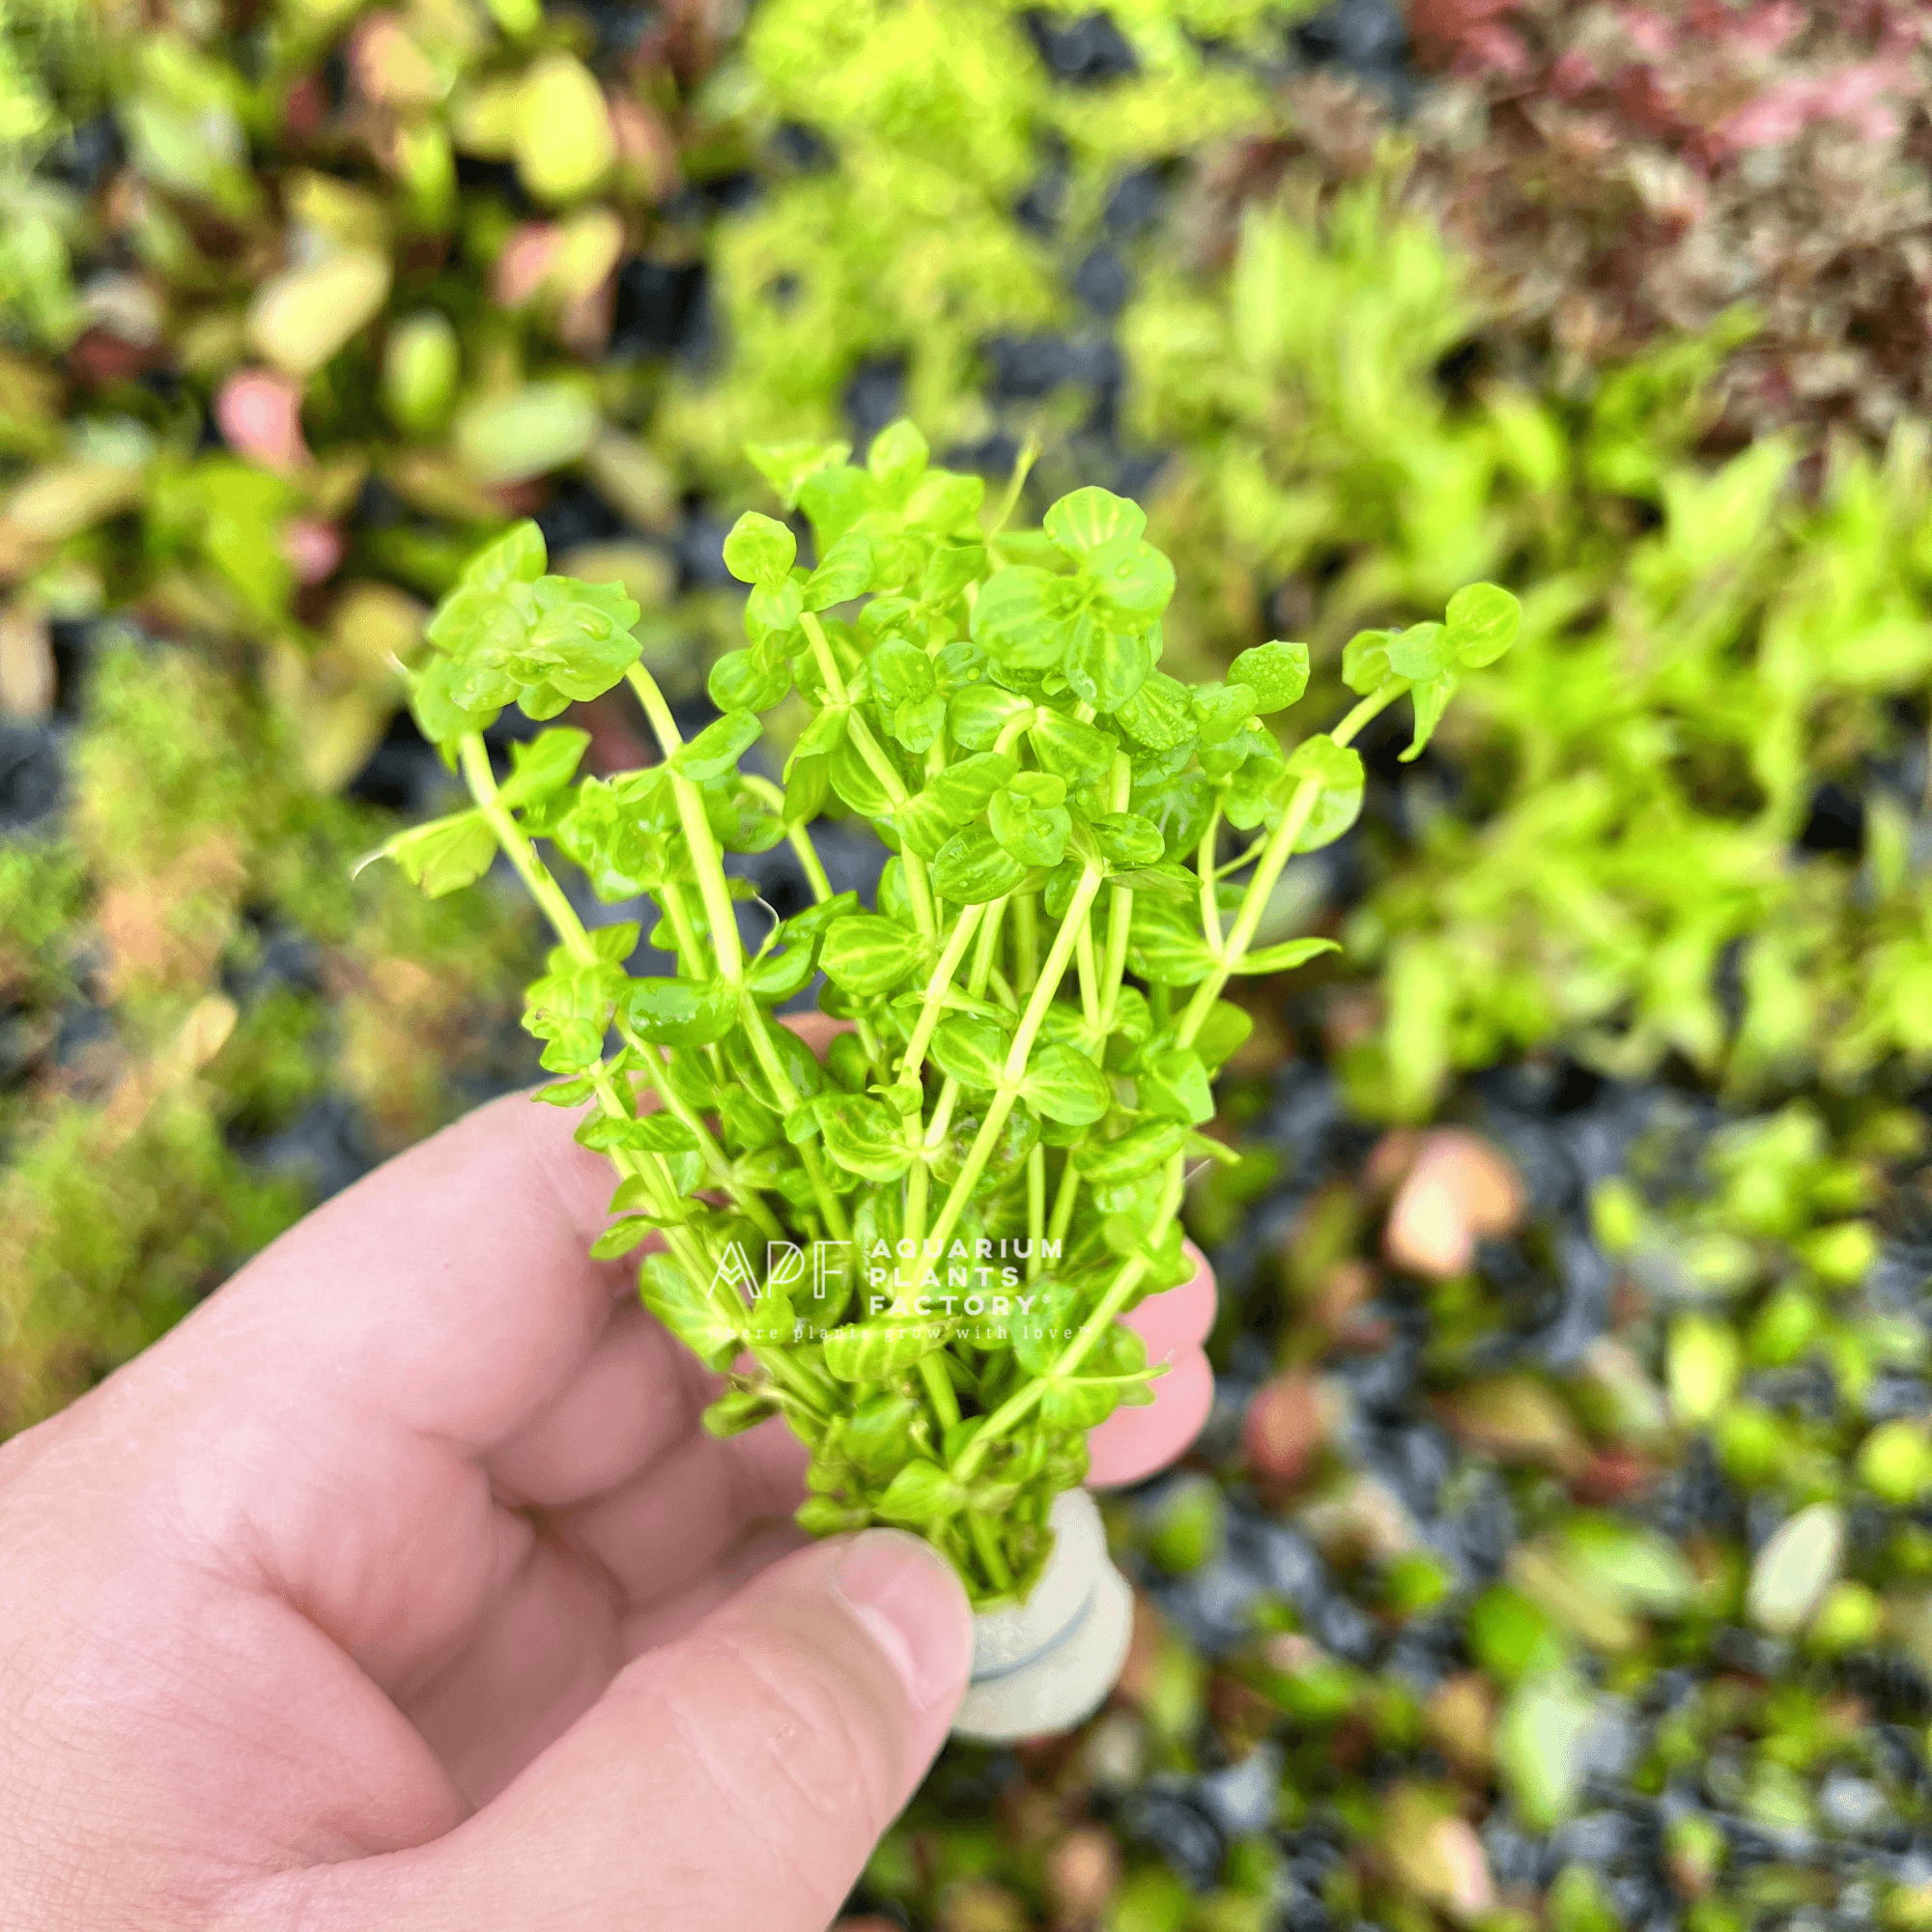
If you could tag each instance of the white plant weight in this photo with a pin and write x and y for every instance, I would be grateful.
(1046, 1665)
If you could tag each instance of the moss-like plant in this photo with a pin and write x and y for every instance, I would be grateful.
(917, 1247)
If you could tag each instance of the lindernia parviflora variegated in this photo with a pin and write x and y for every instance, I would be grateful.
(1031, 1012)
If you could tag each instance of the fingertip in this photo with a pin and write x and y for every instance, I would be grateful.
(1135, 1442)
(1178, 1318)
(911, 1602)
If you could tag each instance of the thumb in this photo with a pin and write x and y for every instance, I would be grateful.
(739, 1776)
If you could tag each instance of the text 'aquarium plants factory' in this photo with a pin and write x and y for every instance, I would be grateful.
(915, 1245)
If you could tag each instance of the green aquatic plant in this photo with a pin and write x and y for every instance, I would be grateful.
(950, 1209)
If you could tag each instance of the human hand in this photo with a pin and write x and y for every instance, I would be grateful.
(399, 1587)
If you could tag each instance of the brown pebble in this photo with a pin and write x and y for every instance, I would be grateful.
(1083, 1872)
(1460, 1189)
(1282, 1429)
(1461, 1719)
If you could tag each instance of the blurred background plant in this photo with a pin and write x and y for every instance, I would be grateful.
(1559, 1551)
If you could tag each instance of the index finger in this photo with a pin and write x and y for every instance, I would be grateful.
(450, 1291)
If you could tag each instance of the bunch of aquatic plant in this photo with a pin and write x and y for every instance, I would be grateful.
(916, 1247)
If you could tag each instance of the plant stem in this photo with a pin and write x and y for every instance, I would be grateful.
(704, 855)
(475, 758)
(1210, 905)
(1021, 1402)
(1275, 854)
(937, 985)
(796, 837)
(1036, 1208)
(1063, 1200)
(918, 888)
(998, 1573)
(939, 1387)
(1026, 944)
(1014, 1071)
(723, 923)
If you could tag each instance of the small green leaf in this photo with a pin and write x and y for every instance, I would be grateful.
(786, 466)
(881, 1435)
(950, 569)
(867, 955)
(900, 672)
(737, 1410)
(1339, 766)
(854, 781)
(1032, 833)
(1483, 621)
(1222, 709)
(1075, 1404)
(717, 747)
(896, 459)
(1177, 807)
(1106, 668)
(971, 1051)
(1430, 700)
(773, 610)
(746, 680)
(1079, 754)
(1285, 957)
(517, 556)
(973, 867)
(979, 713)
(444, 854)
(1125, 839)
(1139, 1151)
(581, 641)
(648, 1133)
(1133, 577)
(1090, 518)
(1175, 1086)
(863, 1136)
(566, 1093)
(836, 498)
(759, 550)
(1365, 665)
(965, 788)
(1277, 674)
(1066, 1086)
(920, 1494)
(846, 572)
(1422, 651)
(1016, 620)
(541, 766)
(686, 1310)
(779, 973)
(681, 1013)
(869, 1351)
(1159, 715)
(1165, 945)
(1226, 1028)
(621, 1236)
(1335, 810)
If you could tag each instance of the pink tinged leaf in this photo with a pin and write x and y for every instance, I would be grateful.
(260, 417)
(313, 548)
(1650, 33)
(528, 256)
(1763, 30)
(1495, 49)
(1575, 73)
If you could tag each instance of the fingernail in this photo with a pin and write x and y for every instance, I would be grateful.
(905, 1593)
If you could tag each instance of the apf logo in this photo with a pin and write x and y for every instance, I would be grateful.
(786, 1267)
